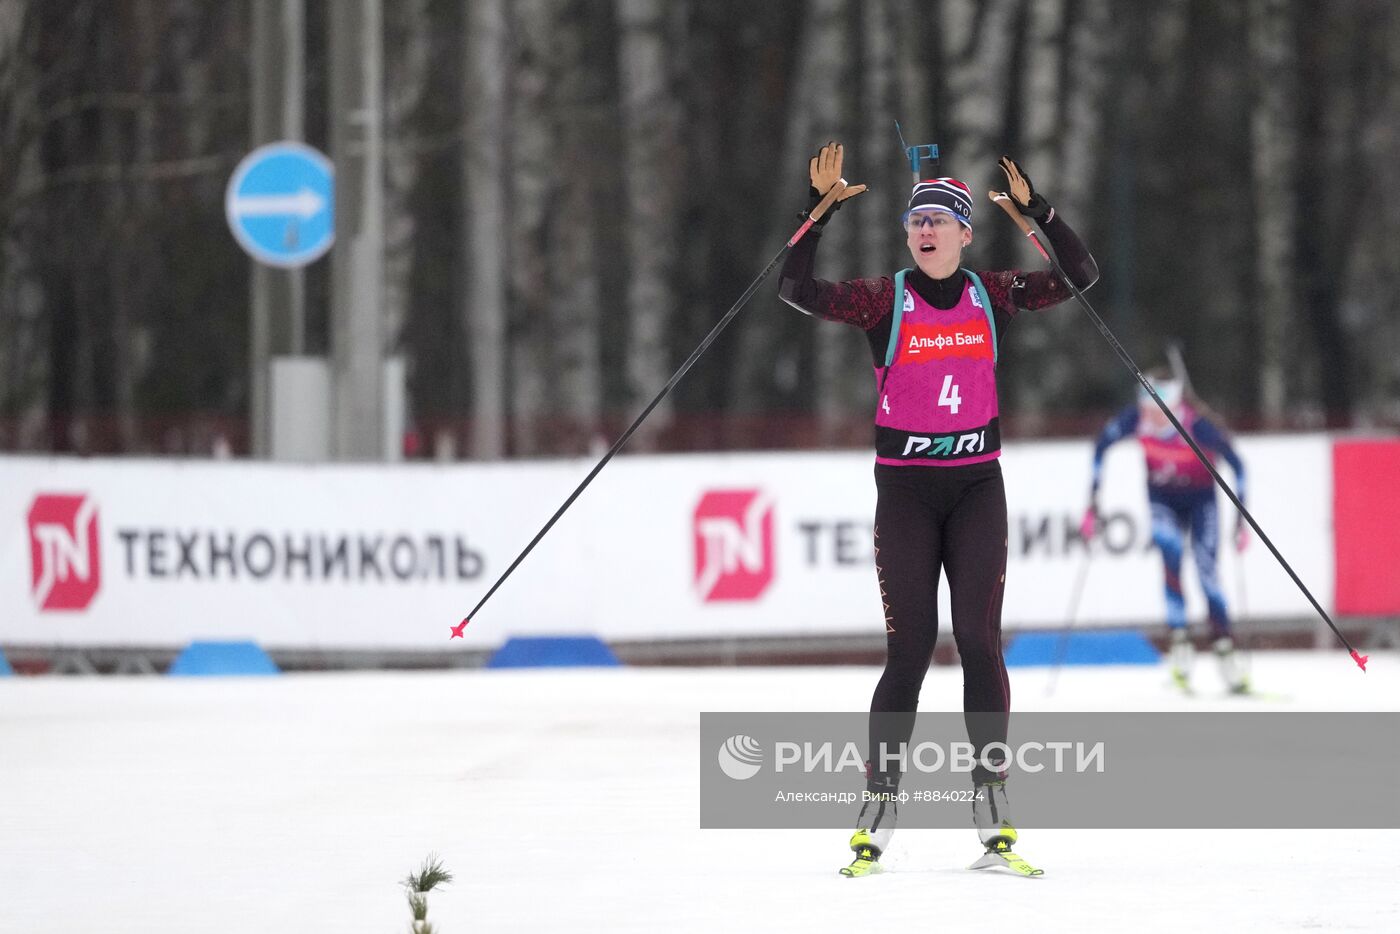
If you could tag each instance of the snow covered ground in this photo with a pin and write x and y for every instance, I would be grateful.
(566, 800)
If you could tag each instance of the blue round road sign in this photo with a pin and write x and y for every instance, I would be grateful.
(280, 204)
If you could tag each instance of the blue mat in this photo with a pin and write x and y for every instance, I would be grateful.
(223, 658)
(1089, 647)
(552, 652)
(5, 668)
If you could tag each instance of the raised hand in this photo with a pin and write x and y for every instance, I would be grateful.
(824, 169)
(1022, 192)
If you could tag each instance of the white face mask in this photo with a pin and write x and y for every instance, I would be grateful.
(1169, 390)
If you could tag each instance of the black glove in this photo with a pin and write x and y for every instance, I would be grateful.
(1023, 193)
(814, 198)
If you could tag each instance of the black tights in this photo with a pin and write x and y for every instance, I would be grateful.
(929, 518)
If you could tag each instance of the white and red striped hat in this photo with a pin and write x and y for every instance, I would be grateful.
(942, 194)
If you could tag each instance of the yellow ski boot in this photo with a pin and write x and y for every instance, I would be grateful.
(867, 861)
(992, 815)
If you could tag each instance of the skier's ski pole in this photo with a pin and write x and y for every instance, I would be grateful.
(1062, 644)
(813, 216)
(1004, 201)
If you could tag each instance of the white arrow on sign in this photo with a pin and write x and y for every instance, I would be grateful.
(305, 203)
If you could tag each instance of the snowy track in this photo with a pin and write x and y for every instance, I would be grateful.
(567, 801)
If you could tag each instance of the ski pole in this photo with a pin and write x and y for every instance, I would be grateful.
(1004, 201)
(813, 216)
(1062, 644)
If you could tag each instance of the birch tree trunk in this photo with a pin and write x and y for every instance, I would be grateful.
(1343, 244)
(408, 42)
(531, 225)
(575, 386)
(834, 86)
(1040, 69)
(878, 162)
(1384, 401)
(776, 344)
(1090, 39)
(1031, 136)
(708, 167)
(1273, 134)
(919, 70)
(979, 52)
(87, 141)
(1066, 58)
(485, 189)
(21, 347)
(651, 147)
(138, 269)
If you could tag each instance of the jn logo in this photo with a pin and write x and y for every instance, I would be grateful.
(63, 551)
(740, 757)
(733, 545)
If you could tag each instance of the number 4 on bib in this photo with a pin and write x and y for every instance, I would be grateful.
(949, 395)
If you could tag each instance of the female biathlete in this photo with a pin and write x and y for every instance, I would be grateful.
(934, 331)
(1181, 495)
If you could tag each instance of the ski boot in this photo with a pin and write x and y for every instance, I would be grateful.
(878, 816)
(992, 815)
(1181, 654)
(1236, 681)
(867, 861)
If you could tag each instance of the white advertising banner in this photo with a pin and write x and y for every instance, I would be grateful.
(1288, 491)
(157, 553)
